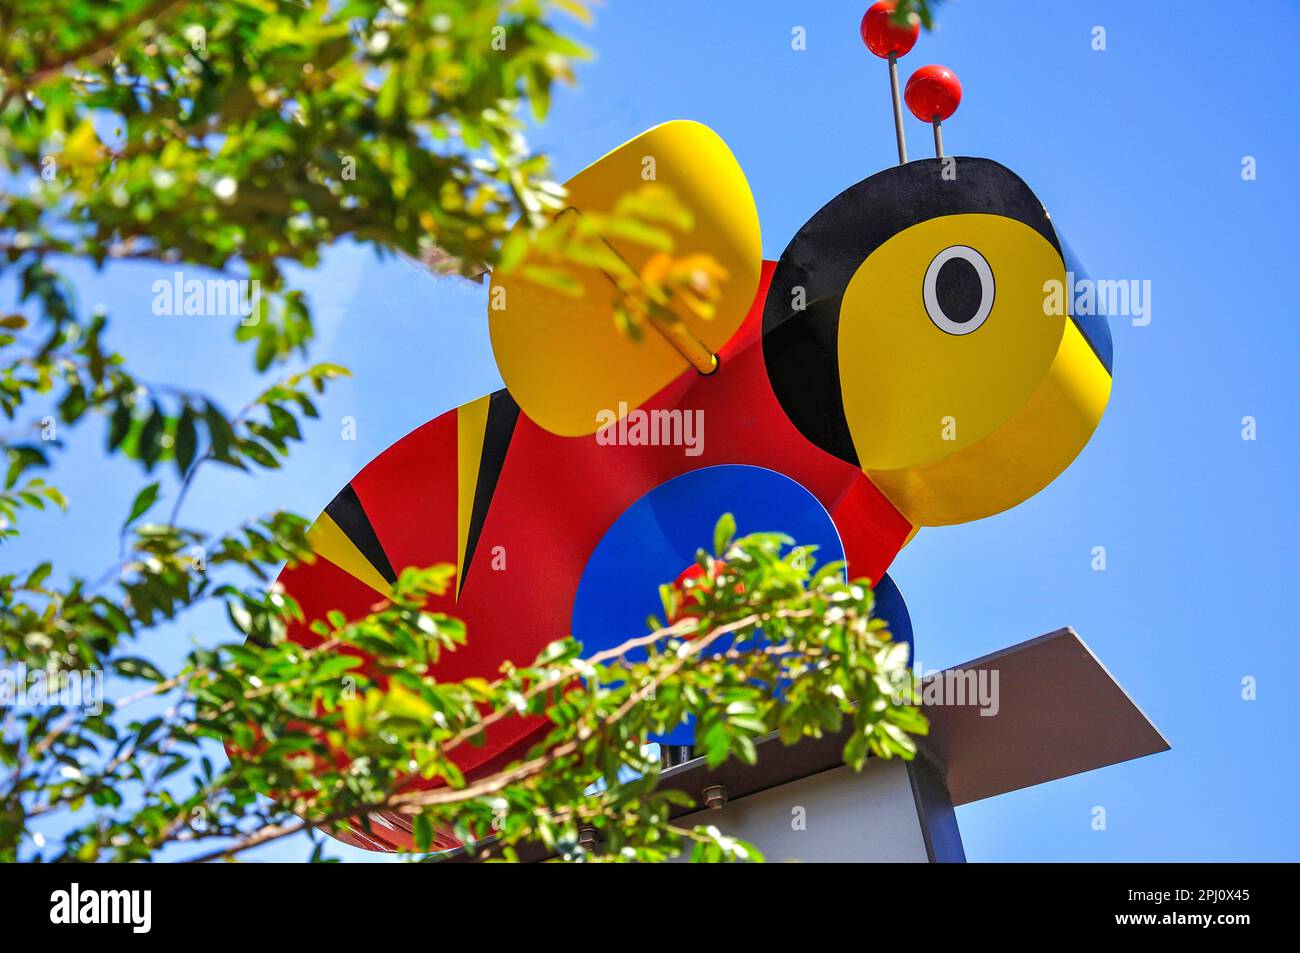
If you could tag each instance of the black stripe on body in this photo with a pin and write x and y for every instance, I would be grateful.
(346, 510)
(503, 414)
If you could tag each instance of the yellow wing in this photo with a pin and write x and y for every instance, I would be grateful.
(562, 358)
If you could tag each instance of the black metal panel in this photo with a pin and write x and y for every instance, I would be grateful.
(934, 807)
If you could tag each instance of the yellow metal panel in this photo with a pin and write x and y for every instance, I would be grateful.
(1016, 460)
(562, 358)
(913, 393)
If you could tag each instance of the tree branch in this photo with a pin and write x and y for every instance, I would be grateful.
(98, 50)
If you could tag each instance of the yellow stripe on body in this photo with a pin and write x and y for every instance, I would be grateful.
(471, 424)
(328, 541)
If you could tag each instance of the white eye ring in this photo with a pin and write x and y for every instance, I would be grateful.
(931, 297)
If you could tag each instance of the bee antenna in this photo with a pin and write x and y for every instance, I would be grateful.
(933, 94)
(888, 39)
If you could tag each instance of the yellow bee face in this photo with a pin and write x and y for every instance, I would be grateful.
(908, 330)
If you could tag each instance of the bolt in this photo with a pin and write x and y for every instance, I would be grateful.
(715, 797)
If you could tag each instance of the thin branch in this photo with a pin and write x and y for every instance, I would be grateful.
(98, 50)
(263, 835)
(683, 627)
(409, 800)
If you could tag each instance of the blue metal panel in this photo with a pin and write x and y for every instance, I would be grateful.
(659, 535)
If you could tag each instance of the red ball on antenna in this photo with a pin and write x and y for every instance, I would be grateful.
(933, 92)
(883, 36)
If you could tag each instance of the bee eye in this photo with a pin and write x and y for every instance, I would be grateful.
(958, 289)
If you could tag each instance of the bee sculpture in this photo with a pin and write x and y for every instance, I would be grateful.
(895, 369)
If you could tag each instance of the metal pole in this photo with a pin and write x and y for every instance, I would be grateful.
(663, 320)
(898, 108)
(938, 139)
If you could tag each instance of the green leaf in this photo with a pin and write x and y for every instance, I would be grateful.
(723, 533)
(187, 441)
(137, 668)
(219, 431)
(119, 425)
(150, 447)
(38, 576)
(143, 501)
(422, 828)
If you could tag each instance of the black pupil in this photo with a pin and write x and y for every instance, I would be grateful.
(958, 289)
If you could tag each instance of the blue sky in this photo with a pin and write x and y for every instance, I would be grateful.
(1137, 152)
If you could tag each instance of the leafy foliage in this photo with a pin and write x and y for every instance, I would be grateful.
(241, 138)
(330, 733)
(921, 10)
